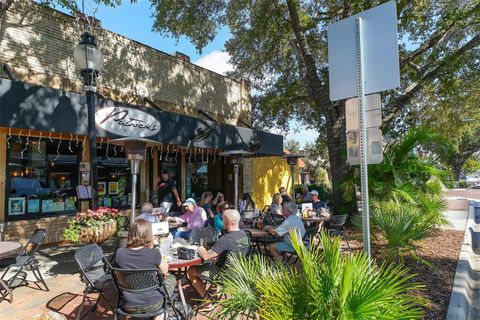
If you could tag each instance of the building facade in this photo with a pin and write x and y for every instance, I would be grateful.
(43, 122)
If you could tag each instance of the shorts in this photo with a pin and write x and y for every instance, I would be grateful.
(207, 271)
(284, 247)
(166, 205)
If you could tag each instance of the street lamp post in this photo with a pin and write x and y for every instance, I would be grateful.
(236, 157)
(89, 61)
(292, 160)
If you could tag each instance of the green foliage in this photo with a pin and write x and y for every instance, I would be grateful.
(330, 286)
(93, 219)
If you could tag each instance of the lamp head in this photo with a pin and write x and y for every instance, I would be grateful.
(88, 59)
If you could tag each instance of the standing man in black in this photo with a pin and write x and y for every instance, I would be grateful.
(166, 191)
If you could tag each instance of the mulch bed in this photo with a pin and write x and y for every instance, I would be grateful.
(441, 252)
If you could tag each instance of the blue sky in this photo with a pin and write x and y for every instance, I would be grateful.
(134, 21)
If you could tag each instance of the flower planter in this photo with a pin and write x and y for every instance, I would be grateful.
(92, 226)
(97, 235)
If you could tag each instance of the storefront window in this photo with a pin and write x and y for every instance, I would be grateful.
(114, 179)
(203, 176)
(42, 175)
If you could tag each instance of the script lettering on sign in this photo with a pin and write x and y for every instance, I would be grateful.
(127, 122)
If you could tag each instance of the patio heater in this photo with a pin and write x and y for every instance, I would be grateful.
(89, 61)
(292, 160)
(135, 150)
(236, 157)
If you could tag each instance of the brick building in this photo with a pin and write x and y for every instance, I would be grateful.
(43, 121)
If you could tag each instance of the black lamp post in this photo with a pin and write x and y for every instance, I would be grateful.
(89, 61)
(236, 157)
(292, 160)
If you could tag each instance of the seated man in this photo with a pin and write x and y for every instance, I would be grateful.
(195, 217)
(234, 241)
(289, 211)
(148, 214)
(317, 203)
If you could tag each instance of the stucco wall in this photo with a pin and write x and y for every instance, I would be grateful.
(37, 43)
(268, 175)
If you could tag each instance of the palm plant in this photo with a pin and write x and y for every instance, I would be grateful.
(329, 286)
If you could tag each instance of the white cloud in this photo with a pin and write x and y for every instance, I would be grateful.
(217, 61)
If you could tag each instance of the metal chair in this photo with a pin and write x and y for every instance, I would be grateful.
(203, 233)
(141, 280)
(336, 227)
(26, 258)
(90, 262)
(310, 233)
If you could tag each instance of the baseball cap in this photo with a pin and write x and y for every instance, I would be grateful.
(190, 201)
(164, 171)
(315, 192)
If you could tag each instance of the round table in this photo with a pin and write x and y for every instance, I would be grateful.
(8, 248)
(180, 267)
(174, 225)
(257, 233)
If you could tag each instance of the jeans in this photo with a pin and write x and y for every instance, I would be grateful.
(182, 234)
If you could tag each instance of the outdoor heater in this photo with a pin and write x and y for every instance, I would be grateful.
(135, 151)
(89, 61)
(292, 160)
(236, 157)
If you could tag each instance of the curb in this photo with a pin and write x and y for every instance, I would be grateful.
(465, 297)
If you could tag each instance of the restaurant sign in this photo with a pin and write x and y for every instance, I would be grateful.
(128, 122)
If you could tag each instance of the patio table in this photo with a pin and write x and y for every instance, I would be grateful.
(174, 225)
(315, 220)
(180, 267)
(8, 248)
(260, 237)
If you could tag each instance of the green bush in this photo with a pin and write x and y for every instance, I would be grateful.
(330, 286)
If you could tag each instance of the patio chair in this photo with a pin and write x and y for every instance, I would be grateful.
(26, 259)
(90, 263)
(336, 227)
(140, 280)
(203, 233)
(310, 234)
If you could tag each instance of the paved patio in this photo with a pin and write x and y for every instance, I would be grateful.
(64, 300)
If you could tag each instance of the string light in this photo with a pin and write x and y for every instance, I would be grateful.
(58, 148)
(160, 154)
(9, 137)
(151, 153)
(70, 143)
(39, 140)
(168, 151)
(19, 134)
(108, 146)
(101, 143)
(214, 155)
(176, 154)
(76, 140)
(26, 144)
(84, 147)
(50, 137)
(114, 150)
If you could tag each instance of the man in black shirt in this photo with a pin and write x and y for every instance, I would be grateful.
(166, 190)
(234, 242)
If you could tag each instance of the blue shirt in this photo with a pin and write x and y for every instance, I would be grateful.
(149, 217)
(292, 222)
(218, 223)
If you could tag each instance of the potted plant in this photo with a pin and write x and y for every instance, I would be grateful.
(92, 226)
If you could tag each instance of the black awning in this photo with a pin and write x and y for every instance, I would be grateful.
(26, 106)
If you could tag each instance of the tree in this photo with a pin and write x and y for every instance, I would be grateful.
(293, 146)
(282, 47)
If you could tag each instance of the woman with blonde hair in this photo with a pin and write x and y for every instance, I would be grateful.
(140, 254)
(276, 207)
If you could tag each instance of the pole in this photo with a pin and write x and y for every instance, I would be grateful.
(236, 171)
(134, 170)
(92, 148)
(292, 173)
(363, 139)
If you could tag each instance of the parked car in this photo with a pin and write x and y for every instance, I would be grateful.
(474, 178)
(25, 187)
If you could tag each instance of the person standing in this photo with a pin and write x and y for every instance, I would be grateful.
(205, 203)
(166, 191)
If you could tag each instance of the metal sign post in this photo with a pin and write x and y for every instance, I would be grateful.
(363, 137)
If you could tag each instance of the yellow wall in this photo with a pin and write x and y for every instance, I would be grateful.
(268, 175)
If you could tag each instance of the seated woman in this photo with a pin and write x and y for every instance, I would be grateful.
(205, 203)
(195, 217)
(217, 220)
(247, 203)
(276, 207)
(140, 254)
(148, 214)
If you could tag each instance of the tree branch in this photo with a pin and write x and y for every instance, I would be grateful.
(398, 104)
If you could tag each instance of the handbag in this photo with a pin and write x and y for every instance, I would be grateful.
(184, 253)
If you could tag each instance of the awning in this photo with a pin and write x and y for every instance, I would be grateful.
(26, 106)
